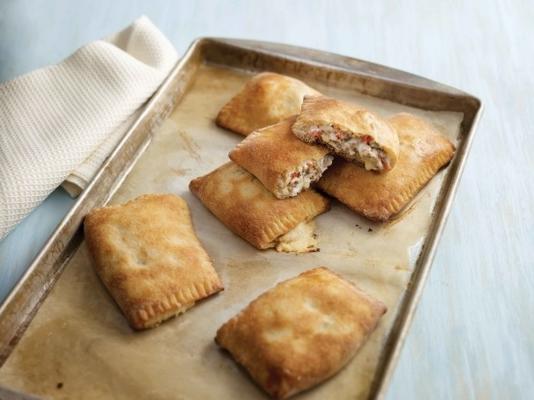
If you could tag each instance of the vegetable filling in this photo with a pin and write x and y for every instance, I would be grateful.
(302, 177)
(362, 149)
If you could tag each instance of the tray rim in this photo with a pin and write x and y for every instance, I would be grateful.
(323, 59)
(341, 61)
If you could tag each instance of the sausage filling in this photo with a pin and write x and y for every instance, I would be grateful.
(362, 149)
(301, 178)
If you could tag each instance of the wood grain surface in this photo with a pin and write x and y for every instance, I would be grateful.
(473, 335)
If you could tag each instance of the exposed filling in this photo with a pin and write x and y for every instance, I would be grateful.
(301, 239)
(363, 149)
(301, 178)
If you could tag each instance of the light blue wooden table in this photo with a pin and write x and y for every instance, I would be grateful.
(473, 335)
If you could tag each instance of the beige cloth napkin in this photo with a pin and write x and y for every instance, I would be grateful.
(59, 123)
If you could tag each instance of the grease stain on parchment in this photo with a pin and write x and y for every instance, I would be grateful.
(189, 145)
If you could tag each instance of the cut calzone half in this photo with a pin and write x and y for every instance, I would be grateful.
(349, 131)
(301, 332)
(149, 258)
(265, 99)
(284, 164)
(247, 208)
(378, 197)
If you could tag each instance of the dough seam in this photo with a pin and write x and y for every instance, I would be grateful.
(176, 303)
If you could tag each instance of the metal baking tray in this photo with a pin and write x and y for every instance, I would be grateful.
(341, 74)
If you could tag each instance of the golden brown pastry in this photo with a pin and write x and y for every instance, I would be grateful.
(284, 164)
(349, 131)
(265, 99)
(300, 332)
(249, 210)
(380, 196)
(148, 257)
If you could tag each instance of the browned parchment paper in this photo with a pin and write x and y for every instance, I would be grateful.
(79, 346)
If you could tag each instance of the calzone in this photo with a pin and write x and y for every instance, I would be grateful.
(284, 164)
(349, 131)
(265, 99)
(149, 258)
(300, 332)
(423, 151)
(247, 208)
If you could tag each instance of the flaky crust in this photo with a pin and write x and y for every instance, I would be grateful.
(149, 258)
(270, 153)
(321, 110)
(265, 99)
(249, 210)
(301, 332)
(424, 150)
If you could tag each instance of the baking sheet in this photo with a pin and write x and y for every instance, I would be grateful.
(80, 346)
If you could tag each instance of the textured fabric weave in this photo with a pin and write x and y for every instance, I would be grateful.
(59, 123)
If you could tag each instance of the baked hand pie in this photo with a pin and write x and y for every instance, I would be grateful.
(301, 332)
(423, 152)
(265, 99)
(284, 164)
(349, 131)
(148, 257)
(248, 209)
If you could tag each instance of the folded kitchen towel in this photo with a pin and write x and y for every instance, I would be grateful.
(59, 123)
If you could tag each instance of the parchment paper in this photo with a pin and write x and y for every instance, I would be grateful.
(79, 346)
